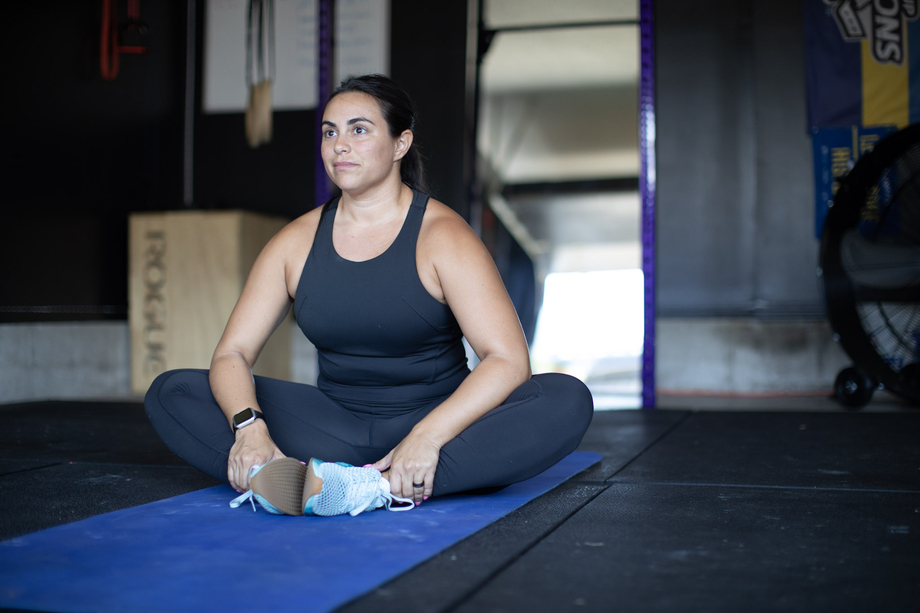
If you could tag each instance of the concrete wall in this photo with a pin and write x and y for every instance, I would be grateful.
(745, 355)
(735, 203)
(89, 360)
(64, 360)
(740, 308)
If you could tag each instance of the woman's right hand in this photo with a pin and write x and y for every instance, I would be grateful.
(253, 447)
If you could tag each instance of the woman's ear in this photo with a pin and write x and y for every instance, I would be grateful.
(403, 144)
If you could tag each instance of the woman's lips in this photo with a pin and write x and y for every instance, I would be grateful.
(344, 165)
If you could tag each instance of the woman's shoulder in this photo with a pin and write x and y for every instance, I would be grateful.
(298, 232)
(446, 239)
(443, 225)
(291, 245)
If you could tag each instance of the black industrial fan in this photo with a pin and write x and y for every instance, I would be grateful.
(870, 265)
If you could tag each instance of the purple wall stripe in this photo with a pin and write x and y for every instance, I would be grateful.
(321, 181)
(647, 192)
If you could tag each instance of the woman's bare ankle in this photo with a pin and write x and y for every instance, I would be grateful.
(314, 484)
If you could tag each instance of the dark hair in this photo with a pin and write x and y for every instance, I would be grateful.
(400, 114)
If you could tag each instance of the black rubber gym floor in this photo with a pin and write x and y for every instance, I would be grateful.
(688, 511)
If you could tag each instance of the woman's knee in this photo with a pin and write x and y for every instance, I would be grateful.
(181, 383)
(570, 394)
(182, 410)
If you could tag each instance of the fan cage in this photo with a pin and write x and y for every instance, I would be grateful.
(870, 263)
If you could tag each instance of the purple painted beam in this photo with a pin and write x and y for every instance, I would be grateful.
(324, 78)
(647, 192)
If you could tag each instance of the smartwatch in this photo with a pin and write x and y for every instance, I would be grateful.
(245, 417)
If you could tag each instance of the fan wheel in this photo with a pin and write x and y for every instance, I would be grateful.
(853, 388)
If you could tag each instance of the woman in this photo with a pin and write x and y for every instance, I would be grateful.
(385, 282)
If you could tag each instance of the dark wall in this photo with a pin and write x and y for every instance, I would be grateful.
(76, 141)
(80, 152)
(83, 153)
(275, 179)
(428, 58)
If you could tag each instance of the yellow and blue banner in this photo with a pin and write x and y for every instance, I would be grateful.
(862, 81)
(835, 152)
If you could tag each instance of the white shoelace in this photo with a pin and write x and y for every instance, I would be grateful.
(378, 494)
(236, 502)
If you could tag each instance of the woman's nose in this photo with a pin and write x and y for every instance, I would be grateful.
(340, 145)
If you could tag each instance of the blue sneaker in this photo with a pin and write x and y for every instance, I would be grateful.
(350, 489)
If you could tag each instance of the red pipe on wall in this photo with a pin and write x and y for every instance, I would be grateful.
(109, 48)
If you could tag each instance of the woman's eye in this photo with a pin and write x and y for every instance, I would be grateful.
(360, 130)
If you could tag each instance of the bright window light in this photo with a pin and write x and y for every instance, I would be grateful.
(589, 316)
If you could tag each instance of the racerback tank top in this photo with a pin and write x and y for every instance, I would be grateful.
(384, 343)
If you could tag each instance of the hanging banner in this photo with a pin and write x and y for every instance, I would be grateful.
(860, 69)
(862, 82)
(835, 153)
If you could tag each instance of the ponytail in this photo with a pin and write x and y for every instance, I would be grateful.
(412, 170)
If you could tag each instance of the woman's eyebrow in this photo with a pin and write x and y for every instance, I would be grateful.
(351, 122)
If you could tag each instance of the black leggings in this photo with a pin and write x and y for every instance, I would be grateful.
(539, 424)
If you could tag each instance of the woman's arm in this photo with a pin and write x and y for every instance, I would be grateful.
(468, 282)
(262, 306)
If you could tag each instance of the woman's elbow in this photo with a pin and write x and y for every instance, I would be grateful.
(224, 356)
(521, 368)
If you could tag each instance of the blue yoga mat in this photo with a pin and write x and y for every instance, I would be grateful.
(194, 553)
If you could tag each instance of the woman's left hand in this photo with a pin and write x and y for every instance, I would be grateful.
(412, 465)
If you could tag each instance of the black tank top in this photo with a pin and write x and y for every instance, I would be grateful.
(384, 343)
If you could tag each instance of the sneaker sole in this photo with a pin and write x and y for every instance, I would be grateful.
(282, 482)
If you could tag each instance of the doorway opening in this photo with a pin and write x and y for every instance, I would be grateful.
(558, 168)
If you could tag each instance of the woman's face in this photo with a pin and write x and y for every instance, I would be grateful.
(358, 151)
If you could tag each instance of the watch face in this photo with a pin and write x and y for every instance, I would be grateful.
(242, 417)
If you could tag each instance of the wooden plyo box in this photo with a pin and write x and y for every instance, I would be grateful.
(186, 272)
